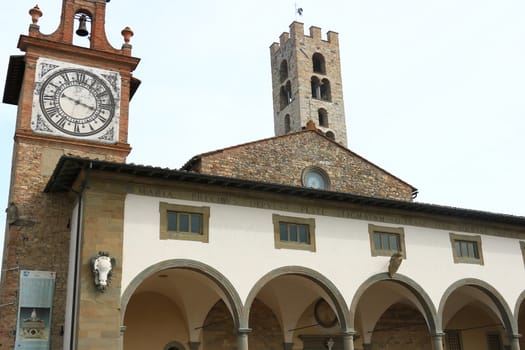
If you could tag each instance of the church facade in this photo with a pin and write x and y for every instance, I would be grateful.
(291, 242)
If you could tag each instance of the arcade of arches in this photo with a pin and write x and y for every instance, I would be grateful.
(189, 306)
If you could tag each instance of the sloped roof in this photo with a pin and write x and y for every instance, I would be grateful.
(268, 144)
(68, 169)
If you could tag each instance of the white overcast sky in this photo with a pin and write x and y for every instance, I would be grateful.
(434, 89)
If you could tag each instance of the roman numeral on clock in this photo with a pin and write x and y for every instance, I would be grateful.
(61, 122)
(81, 77)
(52, 111)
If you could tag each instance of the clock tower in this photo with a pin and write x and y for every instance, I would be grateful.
(71, 100)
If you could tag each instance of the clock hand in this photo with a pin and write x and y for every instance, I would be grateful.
(79, 102)
(71, 99)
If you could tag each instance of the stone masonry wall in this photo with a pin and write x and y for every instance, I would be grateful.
(281, 160)
(401, 327)
(266, 332)
(297, 50)
(39, 239)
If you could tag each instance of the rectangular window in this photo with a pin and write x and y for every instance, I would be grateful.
(466, 249)
(453, 339)
(385, 241)
(494, 342)
(294, 233)
(184, 222)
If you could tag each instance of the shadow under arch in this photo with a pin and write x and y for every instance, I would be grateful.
(509, 322)
(412, 286)
(332, 291)
(222, 282)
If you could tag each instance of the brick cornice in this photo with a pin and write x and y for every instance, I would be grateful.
(119, 149)
(26, 42)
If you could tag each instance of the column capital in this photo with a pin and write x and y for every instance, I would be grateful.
(244, 330)
(438, 334)
(515, 336)
(348, 332)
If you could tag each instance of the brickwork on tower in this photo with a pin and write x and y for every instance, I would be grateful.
(39, 239)
(306, 82)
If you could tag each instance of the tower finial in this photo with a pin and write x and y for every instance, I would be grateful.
(35, 13)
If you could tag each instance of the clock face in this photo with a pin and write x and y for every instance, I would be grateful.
(314, 180)
(324, 315)
(315, 177)
(76, 101)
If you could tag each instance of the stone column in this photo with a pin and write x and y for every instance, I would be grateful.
(348, 340)
(367, 346)
(437, 341)
(121, 341)
(242, 338)
(515, 341)
(287, 346)
(194, 345)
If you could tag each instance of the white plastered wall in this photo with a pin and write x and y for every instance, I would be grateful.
(241, 247)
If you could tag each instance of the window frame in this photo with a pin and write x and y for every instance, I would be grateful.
(454, 237)
(399, 231)
(164, 208)
(456, 334)
(278, 219)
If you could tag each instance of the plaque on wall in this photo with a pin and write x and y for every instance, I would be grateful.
(34, 309)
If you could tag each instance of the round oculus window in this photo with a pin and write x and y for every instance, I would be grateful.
(316, 178)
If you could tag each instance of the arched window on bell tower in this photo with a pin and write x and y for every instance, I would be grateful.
(325, 91)
(323, 117)
(287, 125)
(318, 63)
(286, 95)
(316, 87)
(283, 71)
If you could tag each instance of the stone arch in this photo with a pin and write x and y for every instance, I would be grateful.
(222, 282)
(509, 321)
(520, 318)
(429, 310)
(318, 278)
(519, 301)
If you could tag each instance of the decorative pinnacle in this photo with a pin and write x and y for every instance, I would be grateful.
(127, 33)
(35, 13)
(310, 125)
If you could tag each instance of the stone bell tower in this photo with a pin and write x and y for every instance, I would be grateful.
(306, 83)
(71, 100)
